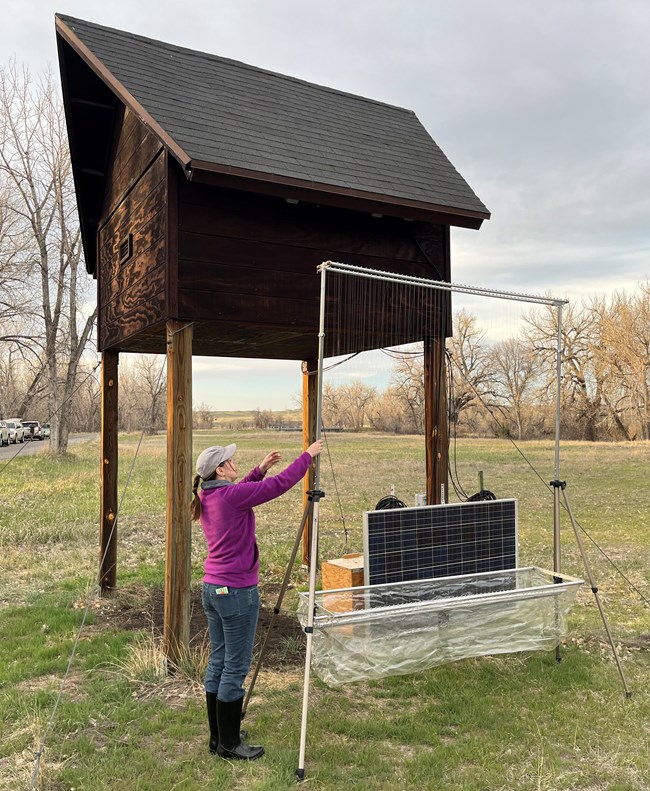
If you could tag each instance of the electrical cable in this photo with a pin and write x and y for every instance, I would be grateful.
(333, 365)
(452, 419)
(401, 355)
(388, 502)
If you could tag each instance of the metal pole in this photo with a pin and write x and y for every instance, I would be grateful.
(309, 629)
(558, 391)
(557, 555)
(557, 552)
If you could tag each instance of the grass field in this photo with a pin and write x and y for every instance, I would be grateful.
(515, 722)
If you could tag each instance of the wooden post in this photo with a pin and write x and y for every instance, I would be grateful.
(176, 631)
(108, 473)
(309, 398)
(435, 421)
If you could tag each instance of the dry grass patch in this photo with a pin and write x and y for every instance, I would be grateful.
(74, 685)
(17, 769)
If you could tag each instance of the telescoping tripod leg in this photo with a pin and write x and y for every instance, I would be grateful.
(311, 495)
(594, 588)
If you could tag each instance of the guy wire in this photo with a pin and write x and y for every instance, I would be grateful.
(336, 488)
(549, 488)
(91, 596)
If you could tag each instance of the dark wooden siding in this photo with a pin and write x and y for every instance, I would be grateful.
(132, 295)
(251, 260)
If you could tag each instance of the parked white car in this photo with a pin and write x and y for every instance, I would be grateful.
(4, 433)
(32, 429)
(16, 431)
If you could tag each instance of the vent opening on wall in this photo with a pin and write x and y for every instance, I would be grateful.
(126, 248)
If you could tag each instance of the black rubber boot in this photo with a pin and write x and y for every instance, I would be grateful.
(230, 743)
(211, 702)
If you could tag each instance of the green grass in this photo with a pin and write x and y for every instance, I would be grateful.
(519, 722)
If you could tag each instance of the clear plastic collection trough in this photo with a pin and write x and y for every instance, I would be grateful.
(385, 630)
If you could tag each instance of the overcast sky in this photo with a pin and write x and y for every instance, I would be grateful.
(544, 108)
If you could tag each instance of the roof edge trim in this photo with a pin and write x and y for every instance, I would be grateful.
(330, 189)
(121, 92)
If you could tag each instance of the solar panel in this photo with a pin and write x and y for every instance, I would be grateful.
(404, 544)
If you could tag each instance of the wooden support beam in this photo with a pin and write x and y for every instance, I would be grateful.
(108, 473)
(176, 630)
(435, 421)
(309, 408)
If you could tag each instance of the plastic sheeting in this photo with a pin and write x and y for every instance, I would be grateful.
(384, 630)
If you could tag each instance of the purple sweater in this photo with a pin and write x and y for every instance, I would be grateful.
(228, 522)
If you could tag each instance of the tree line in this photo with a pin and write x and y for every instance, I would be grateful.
(509, 387)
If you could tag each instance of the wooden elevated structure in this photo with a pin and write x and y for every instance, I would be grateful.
(208, 193)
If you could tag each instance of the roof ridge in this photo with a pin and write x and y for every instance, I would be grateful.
(65, 18)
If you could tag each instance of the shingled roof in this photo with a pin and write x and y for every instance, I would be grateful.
(221, 115)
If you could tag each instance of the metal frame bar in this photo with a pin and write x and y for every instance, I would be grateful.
(330, 617)
(309, 629)
(440, 285)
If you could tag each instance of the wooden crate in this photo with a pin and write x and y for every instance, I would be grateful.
(345, 572)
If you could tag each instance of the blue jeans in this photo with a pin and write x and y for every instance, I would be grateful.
(232, 620)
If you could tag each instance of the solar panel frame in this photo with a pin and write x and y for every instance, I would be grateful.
(444, 540)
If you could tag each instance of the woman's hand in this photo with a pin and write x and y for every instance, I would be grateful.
(269, 460)
(316, 448)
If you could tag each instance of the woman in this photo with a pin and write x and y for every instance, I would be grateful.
(230, 595)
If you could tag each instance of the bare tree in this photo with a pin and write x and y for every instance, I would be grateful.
(332, 407)
(471, 369)
(85, 413)
(387, 414)
(357, 399)
(623, 355)
(143, 386)
(13, 381)
(263, 418)
(582, 374)
(35, 165)
(407, 386)
(17, 333)
(515, 368)
(202, 416)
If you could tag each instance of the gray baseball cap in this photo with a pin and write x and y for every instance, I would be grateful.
(210, 458)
